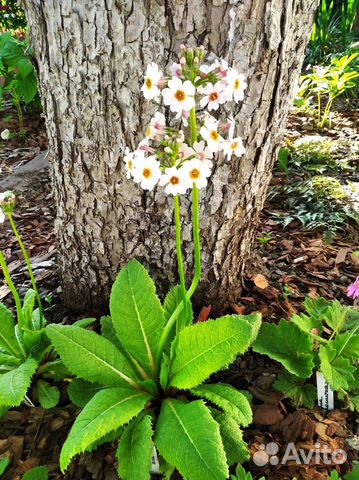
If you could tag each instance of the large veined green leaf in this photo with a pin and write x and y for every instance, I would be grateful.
(27, 87)
(4, 463)
(287, 344)
(15, 383)
(37, 473)
(235, 447)
(346, 345)
(337, 371)
(137, 314)
(8, 340)
(80, 391)
(336, 316)
(205, 348)
(227, 398)
(49, 395)
(307, 324)
(7, 359)
(90, 356)
(28, 308)
(189, 438)
(108, 410)
(135, 450)
(303, 394)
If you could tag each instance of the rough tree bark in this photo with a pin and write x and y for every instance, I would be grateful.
(91, 58)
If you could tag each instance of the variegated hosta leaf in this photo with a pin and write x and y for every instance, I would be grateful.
(205, 348)
(15, 383)
(188, 437)
(229, 399)
(235, 447)
(8, 340)
(90, 356)
(135, 450)
(108, 410)
(137, 314)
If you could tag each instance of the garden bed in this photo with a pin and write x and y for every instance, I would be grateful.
(288, 264)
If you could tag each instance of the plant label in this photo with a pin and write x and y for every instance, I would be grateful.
(325, 393)
(155, 464)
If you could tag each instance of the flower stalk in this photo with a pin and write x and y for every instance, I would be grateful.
(29, 267)
(180, 161)
(12, 287)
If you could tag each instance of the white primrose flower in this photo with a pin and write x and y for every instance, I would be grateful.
(236, 85)
(157, 126)
(196, 172)
(129, 159)
(179, 95)
(185, 151)
(2, 216)
(5, 134)
(214, 95)
(203, 153)
(147, 171)
(234, 146)
(209, 133)
(176, 70)
(153, 76)
(183, 117)
(206, 69)
(175, 181)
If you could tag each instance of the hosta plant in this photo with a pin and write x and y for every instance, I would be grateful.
(324, 338)
(146, 372)
(26, 356)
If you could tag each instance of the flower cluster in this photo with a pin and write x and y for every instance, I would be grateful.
(7, 204)
(178, 158)
(353, 289)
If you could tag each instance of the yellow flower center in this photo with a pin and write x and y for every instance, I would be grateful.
(149, 83)
(130, 165)
(214, 135)
(148, 131)
(236, 84)
(213, 96)
(234, 145)
(194, 174)
(180, 95)
(147, 173)
(174, 180)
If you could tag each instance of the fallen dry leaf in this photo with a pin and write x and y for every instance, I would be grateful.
(342, 255)
(260, 281)
(266, 414)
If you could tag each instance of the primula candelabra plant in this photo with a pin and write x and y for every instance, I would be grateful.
(142, 380)
(25, 351)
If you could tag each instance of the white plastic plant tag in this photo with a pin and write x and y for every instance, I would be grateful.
(155, 464)
(325, 393)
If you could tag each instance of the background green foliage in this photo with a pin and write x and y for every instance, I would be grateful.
(12, 16)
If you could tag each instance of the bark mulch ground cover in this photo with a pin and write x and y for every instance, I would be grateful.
(287, 265)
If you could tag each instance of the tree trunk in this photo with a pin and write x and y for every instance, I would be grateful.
(91, 58)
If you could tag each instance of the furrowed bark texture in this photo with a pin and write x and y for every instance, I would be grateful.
(91, 58)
